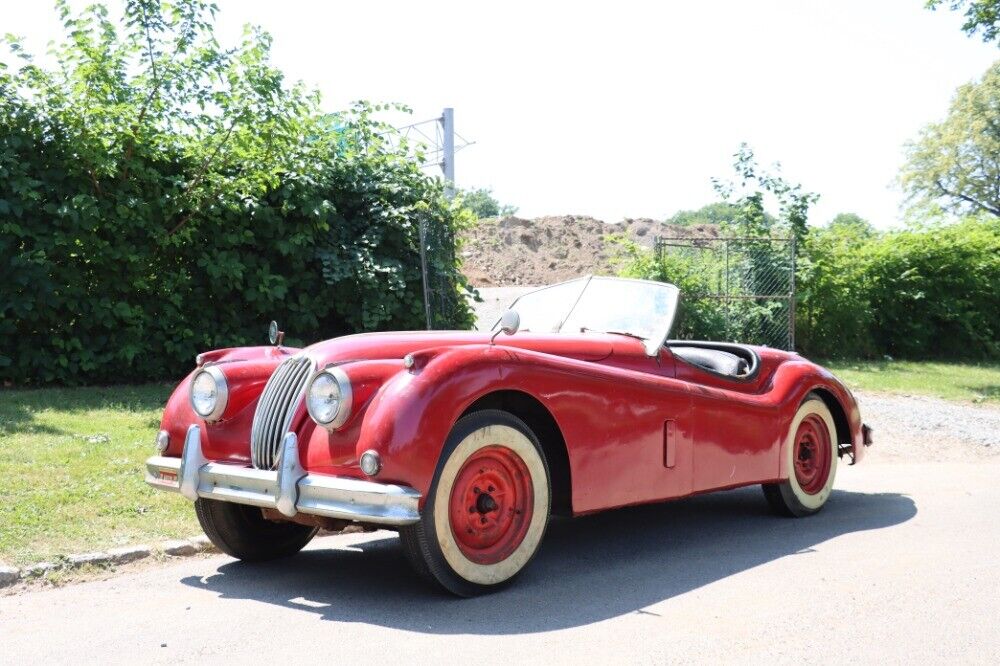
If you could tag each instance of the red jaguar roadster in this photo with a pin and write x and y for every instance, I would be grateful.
(466, 442)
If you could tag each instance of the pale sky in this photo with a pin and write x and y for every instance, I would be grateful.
(629, 108)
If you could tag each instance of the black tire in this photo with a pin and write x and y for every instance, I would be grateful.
(242, 531)
(777, 501)
(790, 497)
(422, 541)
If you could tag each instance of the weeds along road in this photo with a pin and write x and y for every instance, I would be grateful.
(901, 566)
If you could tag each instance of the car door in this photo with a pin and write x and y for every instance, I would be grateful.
(734, 433)
(628, 429)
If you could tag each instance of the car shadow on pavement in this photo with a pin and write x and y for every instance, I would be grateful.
(587, 569)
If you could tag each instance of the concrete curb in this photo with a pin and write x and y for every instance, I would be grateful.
(9, 576)
(105, 559)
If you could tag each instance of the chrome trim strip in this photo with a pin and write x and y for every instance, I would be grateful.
(288, 489)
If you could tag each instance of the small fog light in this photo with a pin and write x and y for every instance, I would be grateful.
(162, 441)
(370, 463)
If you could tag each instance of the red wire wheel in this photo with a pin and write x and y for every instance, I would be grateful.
(491, 504)
(812, 456)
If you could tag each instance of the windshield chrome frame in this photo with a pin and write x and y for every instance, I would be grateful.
(652, 346)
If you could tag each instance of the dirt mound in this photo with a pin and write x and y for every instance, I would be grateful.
(512, 251)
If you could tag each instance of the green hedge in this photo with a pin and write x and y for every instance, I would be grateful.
(160, 196)
(919, 293)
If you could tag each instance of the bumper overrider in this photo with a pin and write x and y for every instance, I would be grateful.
(288, 489)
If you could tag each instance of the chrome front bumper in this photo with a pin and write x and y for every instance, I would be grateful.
(288, 489)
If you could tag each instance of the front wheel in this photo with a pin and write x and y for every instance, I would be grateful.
(487, 508)
(243, 532)
(811, 460)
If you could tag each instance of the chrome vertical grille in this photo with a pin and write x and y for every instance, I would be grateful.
(275, 409)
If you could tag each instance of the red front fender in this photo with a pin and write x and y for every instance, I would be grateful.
(410, 417)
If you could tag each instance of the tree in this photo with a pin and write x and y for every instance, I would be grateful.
(483, 204)
(748, 191)
(855, 224)
(718, 212)
(955, 164)
(980, 16)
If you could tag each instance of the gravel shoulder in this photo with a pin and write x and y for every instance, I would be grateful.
(924, 429)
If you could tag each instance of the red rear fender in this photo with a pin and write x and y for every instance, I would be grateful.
(793, 382)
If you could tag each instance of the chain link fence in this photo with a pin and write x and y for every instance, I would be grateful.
(734, 289)
(443, 305)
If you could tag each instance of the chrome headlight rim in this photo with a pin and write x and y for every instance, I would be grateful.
(221, 393)
(346, 397)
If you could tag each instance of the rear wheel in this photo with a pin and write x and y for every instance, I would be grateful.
(487, 508)
(811, 460)
(243, 532)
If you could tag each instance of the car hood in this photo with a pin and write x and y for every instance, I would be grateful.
(365, 346)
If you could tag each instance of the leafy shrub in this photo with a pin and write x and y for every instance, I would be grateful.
(160, 196)
(919, 293)
(934, 293)
(834, 318)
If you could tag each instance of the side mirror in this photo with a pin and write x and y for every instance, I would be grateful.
(274, 335)
(510, 321)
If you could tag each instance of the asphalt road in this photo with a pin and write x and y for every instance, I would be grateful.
(902, 566)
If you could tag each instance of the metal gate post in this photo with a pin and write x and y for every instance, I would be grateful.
(791, 301)
(423, 269)
(729, 278)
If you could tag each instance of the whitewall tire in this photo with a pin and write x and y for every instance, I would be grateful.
(810, 456)
(488, 506)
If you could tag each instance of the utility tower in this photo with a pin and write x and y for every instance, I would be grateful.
(439, 141)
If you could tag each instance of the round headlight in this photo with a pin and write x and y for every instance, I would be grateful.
(209, 393)
(328, 397)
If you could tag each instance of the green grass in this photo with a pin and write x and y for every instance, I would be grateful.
(952, 381)
(71, 472)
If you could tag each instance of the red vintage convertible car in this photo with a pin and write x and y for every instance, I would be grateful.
(466, 442)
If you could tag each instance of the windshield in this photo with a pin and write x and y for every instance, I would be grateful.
(638, 308)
